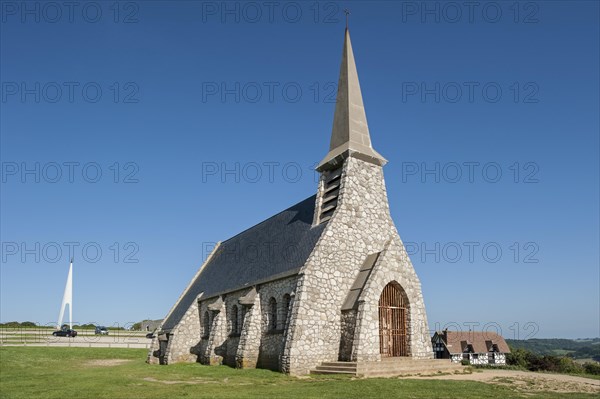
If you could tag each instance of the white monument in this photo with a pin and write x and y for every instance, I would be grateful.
(67, 299)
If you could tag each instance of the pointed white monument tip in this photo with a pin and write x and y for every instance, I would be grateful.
(67, 300)
(350, 133)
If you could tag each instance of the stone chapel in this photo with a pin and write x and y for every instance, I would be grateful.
(337, 284)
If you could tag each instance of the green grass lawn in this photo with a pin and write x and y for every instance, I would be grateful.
(41, 372)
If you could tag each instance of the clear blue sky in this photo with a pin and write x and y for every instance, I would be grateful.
(187, 87)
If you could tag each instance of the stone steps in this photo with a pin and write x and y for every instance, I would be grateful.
(336, 368)
(388, 367)
(317, 370)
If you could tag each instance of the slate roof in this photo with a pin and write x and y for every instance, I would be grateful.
(481, 341)
(276, 247)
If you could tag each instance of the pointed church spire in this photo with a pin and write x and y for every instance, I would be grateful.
(350, 134)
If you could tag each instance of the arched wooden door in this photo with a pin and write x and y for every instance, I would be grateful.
(393, 307)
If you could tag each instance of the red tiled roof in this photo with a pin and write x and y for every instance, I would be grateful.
(481, 341)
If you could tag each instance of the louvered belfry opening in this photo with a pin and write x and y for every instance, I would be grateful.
(393, 308)
(331, 192)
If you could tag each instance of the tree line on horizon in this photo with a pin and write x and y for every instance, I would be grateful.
(31, 324)
(588, 348)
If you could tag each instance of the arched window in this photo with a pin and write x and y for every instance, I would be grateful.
(234, 320)
(206, 323)
(272, 314)
(287, 302)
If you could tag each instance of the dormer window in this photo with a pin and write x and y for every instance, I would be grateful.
(468, 347)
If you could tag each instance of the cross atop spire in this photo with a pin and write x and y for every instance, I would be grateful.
(350, 134)
(347, 12)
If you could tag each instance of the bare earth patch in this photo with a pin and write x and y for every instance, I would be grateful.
(528, 381)
(106, 362)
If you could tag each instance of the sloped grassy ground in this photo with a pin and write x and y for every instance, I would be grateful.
(42, 372)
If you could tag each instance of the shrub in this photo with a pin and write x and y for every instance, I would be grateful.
(592, 368)
(519, 357)
(569, 366)
(556, 364)
(465, 362)
(546, 363)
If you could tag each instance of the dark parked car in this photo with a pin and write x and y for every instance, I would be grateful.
(65, 332)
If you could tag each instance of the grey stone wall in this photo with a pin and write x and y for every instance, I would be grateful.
(153, 355)
(256, 345)
(211, 350)
(249, 342)
(219, 344)
(272, 340)
(184, 337)
(348, 328)
(361, 225)
(392, 265)
(234, 311)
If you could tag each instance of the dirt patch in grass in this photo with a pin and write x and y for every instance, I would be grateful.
(106, 362)
(524, 381)
(537, 384)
